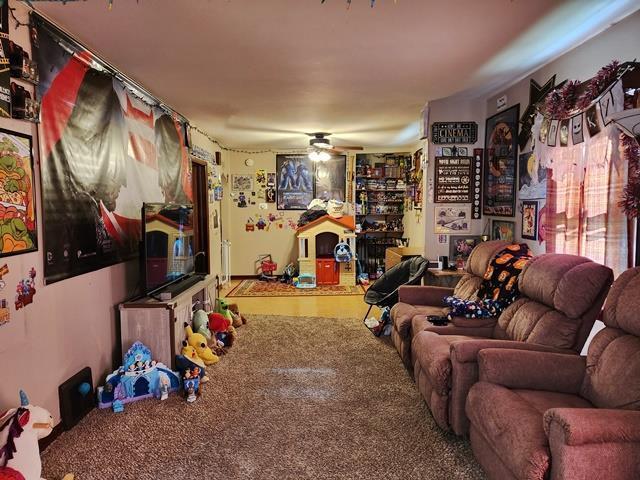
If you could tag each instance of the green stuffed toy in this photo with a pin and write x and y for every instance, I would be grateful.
(201, 324)
(222, 307)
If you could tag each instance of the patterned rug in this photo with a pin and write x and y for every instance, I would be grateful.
(256, 288)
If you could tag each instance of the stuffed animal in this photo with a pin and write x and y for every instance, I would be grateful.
(200, 324)
(238, 318)
(189, 360)
(218, 323)
(197, 341)
(222, 307)
(23, 427)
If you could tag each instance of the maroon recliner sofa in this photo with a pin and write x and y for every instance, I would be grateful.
(537, 415)
(415, 303)
(561, 297)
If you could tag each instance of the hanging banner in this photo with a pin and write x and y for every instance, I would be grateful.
(5, 71)
(103, 153)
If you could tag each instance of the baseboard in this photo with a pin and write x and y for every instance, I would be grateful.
(49, 439)
(244, 277)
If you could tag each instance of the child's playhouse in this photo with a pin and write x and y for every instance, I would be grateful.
(317, 245)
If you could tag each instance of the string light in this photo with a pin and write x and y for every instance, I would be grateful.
(239, 150)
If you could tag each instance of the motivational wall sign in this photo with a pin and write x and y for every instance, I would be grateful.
(455, 180)
(454, 132)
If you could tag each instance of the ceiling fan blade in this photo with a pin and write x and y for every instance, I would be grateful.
(345, 148)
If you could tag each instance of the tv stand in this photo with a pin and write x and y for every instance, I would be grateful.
(159, 323)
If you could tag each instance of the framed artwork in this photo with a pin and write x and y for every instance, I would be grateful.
(452, 219)
(294, 182)
(529, 220)
(331, 178)
(241, 182)
(532, 177)
(503, 230)
(17, 195)
(501, 150)
(462, 245)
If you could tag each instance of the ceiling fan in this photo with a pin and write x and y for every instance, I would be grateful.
(320, 148)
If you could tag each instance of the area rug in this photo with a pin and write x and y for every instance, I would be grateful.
(295, 398)
(256, 288)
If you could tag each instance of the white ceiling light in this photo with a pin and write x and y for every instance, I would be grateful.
(319, 156)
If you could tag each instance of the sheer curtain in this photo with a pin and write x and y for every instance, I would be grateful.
(584, 185)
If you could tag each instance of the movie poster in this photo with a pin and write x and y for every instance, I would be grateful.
(17, 195)
(103, 153)
(330, 178)
(294, 182)
(501, 150)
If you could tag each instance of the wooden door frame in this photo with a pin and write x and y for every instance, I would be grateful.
(201, 211)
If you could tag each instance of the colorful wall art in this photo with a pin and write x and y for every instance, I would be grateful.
(501, 149)
(18, 232)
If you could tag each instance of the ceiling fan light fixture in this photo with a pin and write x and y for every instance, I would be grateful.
(319, 143)
(319, 156)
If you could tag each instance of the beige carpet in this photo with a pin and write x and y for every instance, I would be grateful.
(296, 398)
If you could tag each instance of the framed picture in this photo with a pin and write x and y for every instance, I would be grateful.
(330, 178)
(501, 150)
(17, 195)
(460, 246)
(529, 220)
(503, 230)
(452, 219)
(532, 177)
(294, 182)
(241, 182)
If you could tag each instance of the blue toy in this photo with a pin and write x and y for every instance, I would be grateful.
(139, 377)
(305, 280)
(342, 252)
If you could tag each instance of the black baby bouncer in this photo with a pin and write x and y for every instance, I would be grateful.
(384, 291)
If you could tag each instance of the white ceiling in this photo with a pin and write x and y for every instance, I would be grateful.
(253, 73)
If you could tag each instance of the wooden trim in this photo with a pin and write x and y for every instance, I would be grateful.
(201, 202)
(244, 277)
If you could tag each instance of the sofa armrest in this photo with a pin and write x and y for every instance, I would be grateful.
(583, 426)
(467, 351)
(554, 372)
(423, 295)
(464, 326)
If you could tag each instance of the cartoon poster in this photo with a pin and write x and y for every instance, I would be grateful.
(18, 232)
(241, 183)
(294, 182)
(452, 219)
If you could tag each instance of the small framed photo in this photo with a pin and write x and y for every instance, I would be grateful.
(503, 230)
(530, 219)
(460, 246)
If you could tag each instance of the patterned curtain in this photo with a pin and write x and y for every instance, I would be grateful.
(584, 186)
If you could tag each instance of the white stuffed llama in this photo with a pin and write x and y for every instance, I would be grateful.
(21, 429)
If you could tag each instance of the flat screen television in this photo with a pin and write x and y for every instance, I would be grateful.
(167, 253)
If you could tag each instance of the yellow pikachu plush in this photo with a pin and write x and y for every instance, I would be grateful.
(199, 342)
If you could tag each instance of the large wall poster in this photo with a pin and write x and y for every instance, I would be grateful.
(501, 150)
(18, 230)
(104, 152)
(330, 178)
(294, 181)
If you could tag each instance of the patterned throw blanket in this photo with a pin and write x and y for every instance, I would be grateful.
(499, 286)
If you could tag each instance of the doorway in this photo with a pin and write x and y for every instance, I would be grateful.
(201, 214)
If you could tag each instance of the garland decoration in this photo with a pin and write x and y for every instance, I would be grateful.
(561, 103)
(630, 202)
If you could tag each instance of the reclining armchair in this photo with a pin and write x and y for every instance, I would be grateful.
(560, 299)
(415, 303)
(538, 415)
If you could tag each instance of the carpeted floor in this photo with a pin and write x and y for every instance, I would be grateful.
(256, 288)
(296, 398)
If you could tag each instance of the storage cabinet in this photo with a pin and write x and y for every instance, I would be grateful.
(327, 272)
(160, 324)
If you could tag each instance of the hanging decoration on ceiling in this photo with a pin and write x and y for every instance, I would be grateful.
(536, 95)
(572, 109)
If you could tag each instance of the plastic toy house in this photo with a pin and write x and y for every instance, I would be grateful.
(316, 243)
